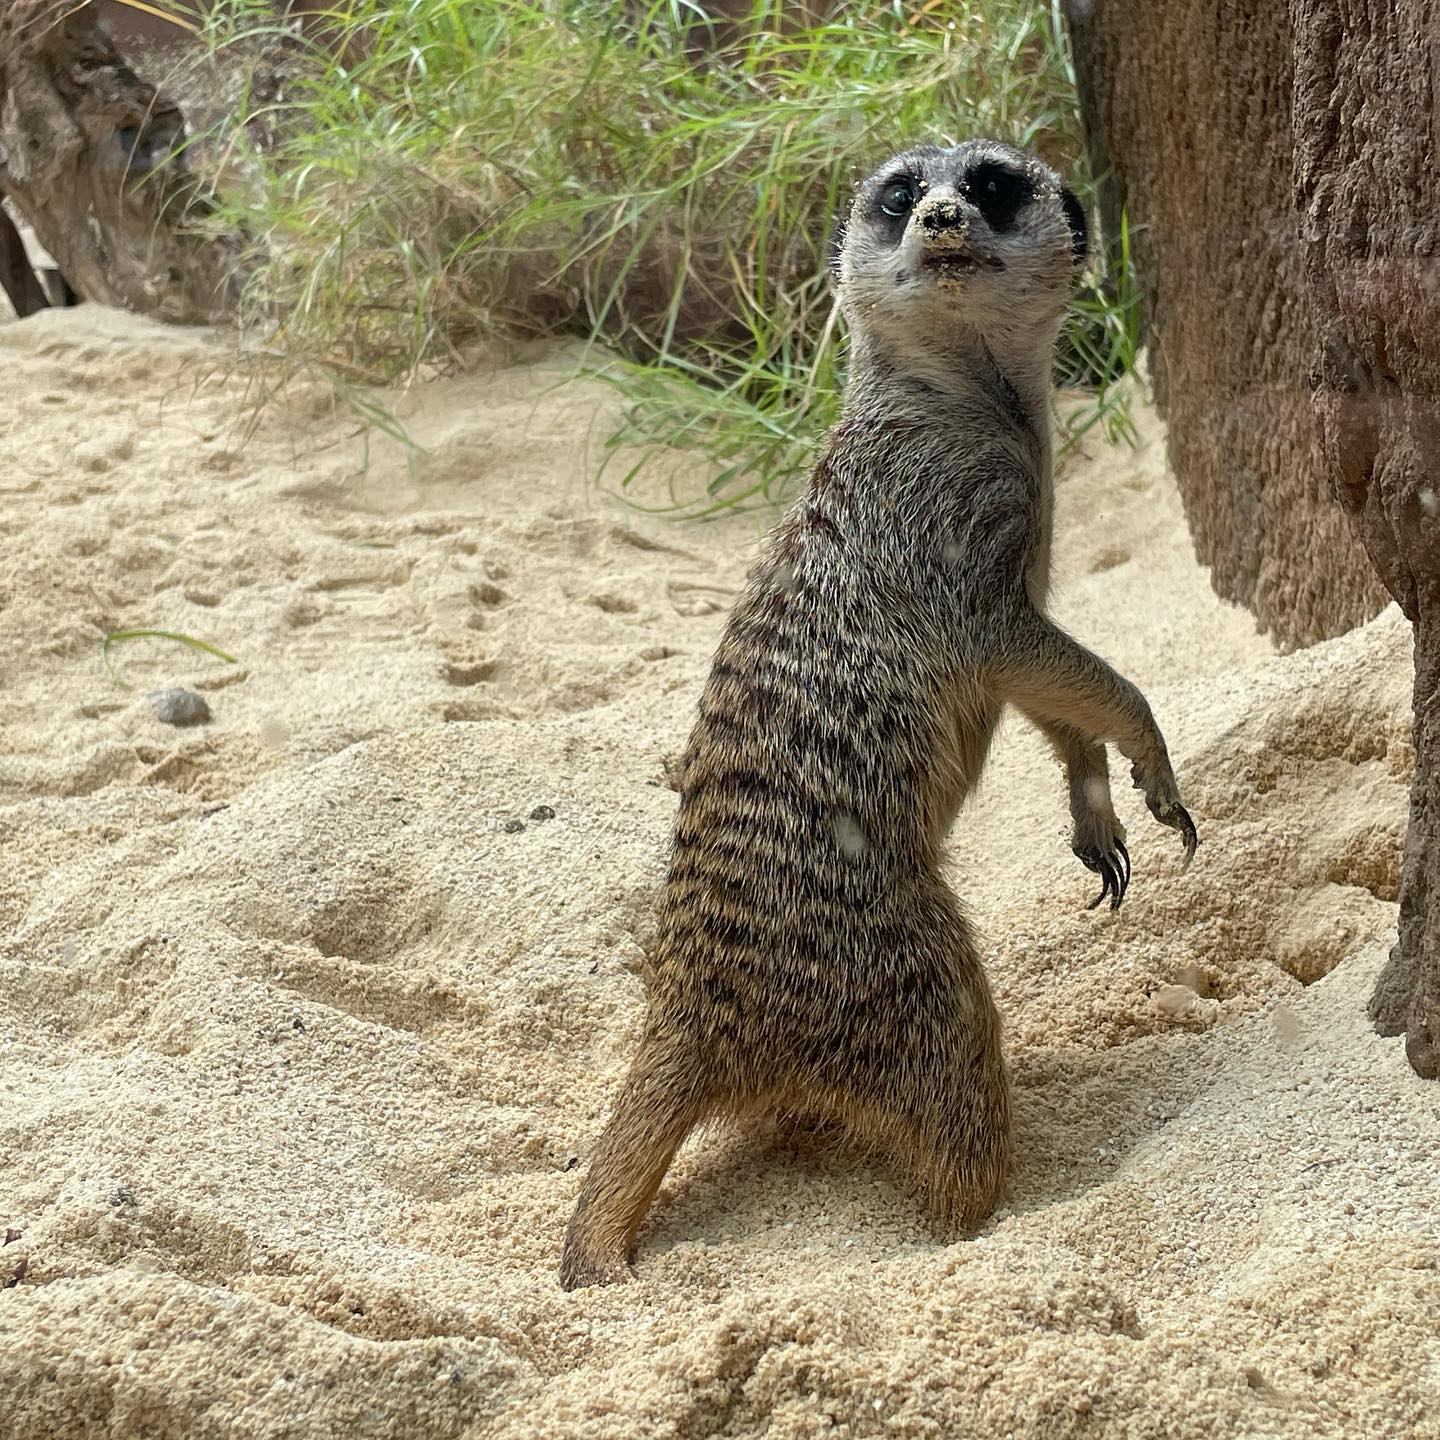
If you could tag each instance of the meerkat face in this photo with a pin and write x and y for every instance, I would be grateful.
(981, 235)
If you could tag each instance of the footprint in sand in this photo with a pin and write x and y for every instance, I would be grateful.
(693, 598)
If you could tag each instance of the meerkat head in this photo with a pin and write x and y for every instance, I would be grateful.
(981, 239)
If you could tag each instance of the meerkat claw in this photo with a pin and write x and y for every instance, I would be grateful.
(1106, 888)
(1113, 877)
(1177, 817)
(1104, 891)
(1186, 826)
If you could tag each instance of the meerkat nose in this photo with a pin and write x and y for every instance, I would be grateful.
(937, 215)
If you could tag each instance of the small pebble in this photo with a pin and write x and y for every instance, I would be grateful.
(514, 827)
(1177, 1002)
(180, 707)
(542, 812)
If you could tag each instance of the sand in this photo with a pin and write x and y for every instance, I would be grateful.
(302, 1050)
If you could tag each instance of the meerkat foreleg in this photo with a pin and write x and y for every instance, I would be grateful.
(659, 1104)
(1098, 840)
(1048, 674)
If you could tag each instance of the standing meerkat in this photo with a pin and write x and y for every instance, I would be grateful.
(810, 956)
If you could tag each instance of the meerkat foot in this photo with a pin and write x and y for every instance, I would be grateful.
(955, 1137)
(962, 1190)
(959, 1212)
(957, 1164)
(579, 1269)
(1162, 798)
(658, 1106)
(1099, 841)
(1177, 817)
(1168, 810)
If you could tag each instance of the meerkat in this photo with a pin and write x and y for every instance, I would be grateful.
(810, 957)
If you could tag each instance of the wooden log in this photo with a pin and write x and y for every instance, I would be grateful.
(1367, 199)
(17, 276)
(89, 158)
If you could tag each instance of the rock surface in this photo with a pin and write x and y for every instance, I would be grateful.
(177, 706)
(1286, 201)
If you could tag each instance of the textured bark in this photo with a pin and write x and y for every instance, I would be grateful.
(1281, 159)
(1368, 197)
(87, 157)
(1187, 109)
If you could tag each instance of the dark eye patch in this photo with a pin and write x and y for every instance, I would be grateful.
(998, 193)
(894, 201)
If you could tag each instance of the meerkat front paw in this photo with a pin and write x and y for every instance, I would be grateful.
(1099, 845)
(1156, 781)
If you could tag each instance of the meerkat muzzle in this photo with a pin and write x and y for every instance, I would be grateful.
(942, 215)
(945, 230)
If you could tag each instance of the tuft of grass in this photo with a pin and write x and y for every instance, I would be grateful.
(119, 637)
(656, 175)
(1102, 344)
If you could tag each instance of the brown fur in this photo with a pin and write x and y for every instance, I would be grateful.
(811, 957)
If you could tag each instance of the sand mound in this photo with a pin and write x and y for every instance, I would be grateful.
(303, 1040)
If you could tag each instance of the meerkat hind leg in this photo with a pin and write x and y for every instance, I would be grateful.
(939, 1101)
(959, 1149)
(956, 1155)
(658, 1106)
(961, 1185)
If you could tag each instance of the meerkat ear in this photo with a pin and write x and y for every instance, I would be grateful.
(837, 246)
(1079, 230)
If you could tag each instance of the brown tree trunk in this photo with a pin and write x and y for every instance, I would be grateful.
(87, 156)
(1281, 161)
(1187, 110)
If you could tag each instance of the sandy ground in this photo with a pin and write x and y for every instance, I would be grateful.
(302, 1051)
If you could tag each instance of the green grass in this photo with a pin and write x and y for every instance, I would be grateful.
(1101, 344)
(120, 637)
(633, 173)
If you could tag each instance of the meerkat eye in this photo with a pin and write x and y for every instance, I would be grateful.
(999, 193)
(897, 199)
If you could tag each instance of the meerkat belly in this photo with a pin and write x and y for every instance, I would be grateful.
(783, 920)
(963, 746)
(804, 847)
